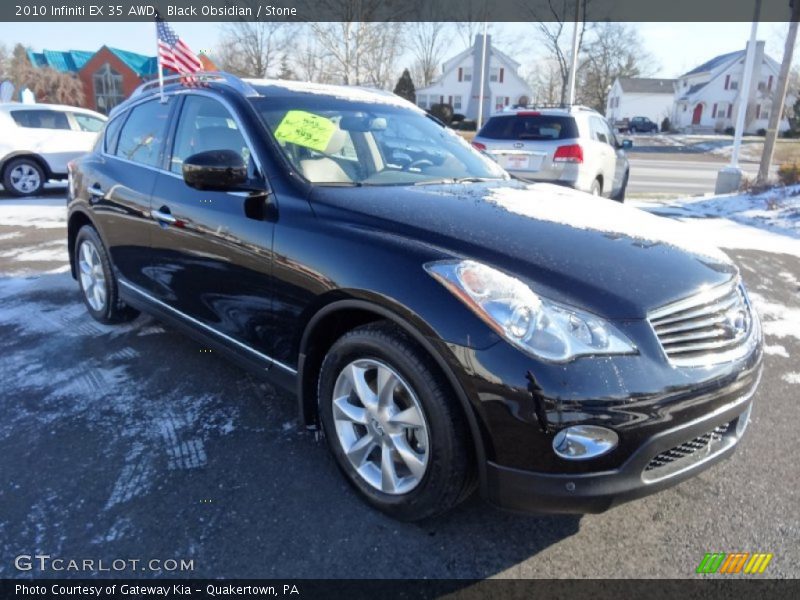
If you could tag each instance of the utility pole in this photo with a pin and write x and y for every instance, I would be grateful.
(778, 100)
(729, 178)
(574, 66)
(483, 77)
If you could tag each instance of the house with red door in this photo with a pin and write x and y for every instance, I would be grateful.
(460, 83)
(108, 76)
(708, 98)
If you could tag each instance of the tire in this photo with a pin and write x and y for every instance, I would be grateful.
(435, 436)
(96, 279)
(23, 177)
(597, 188)
(633, 129)
(620, 195)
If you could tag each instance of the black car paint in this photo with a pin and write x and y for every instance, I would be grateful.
(267, 279)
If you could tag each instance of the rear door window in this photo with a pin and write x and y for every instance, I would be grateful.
(142, 137)
(532, 127)
(40, 119)
(88, 122)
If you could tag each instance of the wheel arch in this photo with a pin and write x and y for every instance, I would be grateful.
(339, 316)
(37, 158)
(76, 220)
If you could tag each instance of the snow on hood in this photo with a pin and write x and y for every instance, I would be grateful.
(557, 204)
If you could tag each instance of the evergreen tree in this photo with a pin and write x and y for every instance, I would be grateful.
(405, 87)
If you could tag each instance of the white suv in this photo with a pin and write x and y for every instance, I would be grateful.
(38, 140)
(571, 146)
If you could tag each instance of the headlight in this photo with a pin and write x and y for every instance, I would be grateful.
(541, 327)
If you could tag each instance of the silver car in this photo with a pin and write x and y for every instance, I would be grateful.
(569, 146)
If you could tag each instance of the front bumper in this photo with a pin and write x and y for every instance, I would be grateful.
(651, 468)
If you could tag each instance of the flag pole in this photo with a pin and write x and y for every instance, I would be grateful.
(160, 68)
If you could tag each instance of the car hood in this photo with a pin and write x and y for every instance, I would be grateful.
(611, 259)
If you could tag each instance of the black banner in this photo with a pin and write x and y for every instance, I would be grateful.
(722, 588)
(392, 10)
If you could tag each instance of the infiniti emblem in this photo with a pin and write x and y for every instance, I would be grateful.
(518, 144)
(735, 324)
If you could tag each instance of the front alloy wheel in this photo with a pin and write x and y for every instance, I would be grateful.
(393, 424)
(380, 426)
(23, 177)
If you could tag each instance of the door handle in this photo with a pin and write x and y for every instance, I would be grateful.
(163, 217)
(96, 191)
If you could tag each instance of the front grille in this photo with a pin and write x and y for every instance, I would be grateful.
(687, 454)
(705, 327)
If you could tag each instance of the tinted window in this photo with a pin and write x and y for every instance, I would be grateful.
(205, 124)
(600, 130)
(530, 127)
(142, 136)
(40, 119)
(112, 129)
(88, 122)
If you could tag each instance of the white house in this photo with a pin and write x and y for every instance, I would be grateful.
(708, 97)
(460, 85)
(640, 97)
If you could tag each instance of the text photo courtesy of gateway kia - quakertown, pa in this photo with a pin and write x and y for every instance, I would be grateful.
(409, 299)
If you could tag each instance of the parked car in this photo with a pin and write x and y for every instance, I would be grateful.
(38, 140)
(444, 325)
(569, 146)
(636, 125)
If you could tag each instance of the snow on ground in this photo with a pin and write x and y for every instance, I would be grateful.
(42, 213)
(769, 222)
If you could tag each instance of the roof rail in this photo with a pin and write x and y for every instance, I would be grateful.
(202, 76)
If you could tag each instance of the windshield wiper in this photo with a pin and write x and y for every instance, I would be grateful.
(457, 180)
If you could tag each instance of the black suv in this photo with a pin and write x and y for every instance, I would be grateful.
(446, 326)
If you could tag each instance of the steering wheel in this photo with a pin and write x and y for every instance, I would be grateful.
(421, 162)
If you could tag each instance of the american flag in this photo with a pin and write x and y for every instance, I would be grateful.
(174, 53)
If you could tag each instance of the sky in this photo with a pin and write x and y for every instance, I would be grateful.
(675, 47)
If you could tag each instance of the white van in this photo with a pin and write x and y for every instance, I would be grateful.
(38, 140)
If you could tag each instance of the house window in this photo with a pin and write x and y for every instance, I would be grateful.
(722, 110)
(734, 84)
(764, 114)
(500, 102)
(422, 100)
(456, 102)
(107, 88)
(494, 74)
(467, 73)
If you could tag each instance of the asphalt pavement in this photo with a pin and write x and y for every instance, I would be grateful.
(685, 175)
(134, 442)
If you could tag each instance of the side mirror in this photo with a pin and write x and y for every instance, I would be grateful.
(627, 144)
(215, 170)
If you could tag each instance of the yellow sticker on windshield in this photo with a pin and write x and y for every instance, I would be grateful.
(305, 129)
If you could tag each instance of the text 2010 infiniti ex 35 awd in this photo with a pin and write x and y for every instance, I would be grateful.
(447, 327)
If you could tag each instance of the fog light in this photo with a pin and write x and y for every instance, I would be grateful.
(581, 442)
(743, 420)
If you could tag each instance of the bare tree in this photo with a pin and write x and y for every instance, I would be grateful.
(253, 48)
(474, 14)
(546, 82)
(312, 63)
(614, 50)
(428, 41)
(555, 33)
(4, 61)
(361, 53)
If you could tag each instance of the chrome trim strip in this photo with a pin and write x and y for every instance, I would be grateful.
(183, 315)
(732, 439)
(695, 300)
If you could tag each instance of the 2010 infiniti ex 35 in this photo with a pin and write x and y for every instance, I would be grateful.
(447, 327)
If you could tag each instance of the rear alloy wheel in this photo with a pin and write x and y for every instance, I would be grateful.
(620, 195)
(393, 425)
(597, 188)
(96, 279)
(23, 177)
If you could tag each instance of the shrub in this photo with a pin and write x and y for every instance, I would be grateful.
(730, 131)
(666, 126)
(762, 132)
(789, 173)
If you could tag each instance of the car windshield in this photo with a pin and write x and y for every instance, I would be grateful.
(338, 141)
